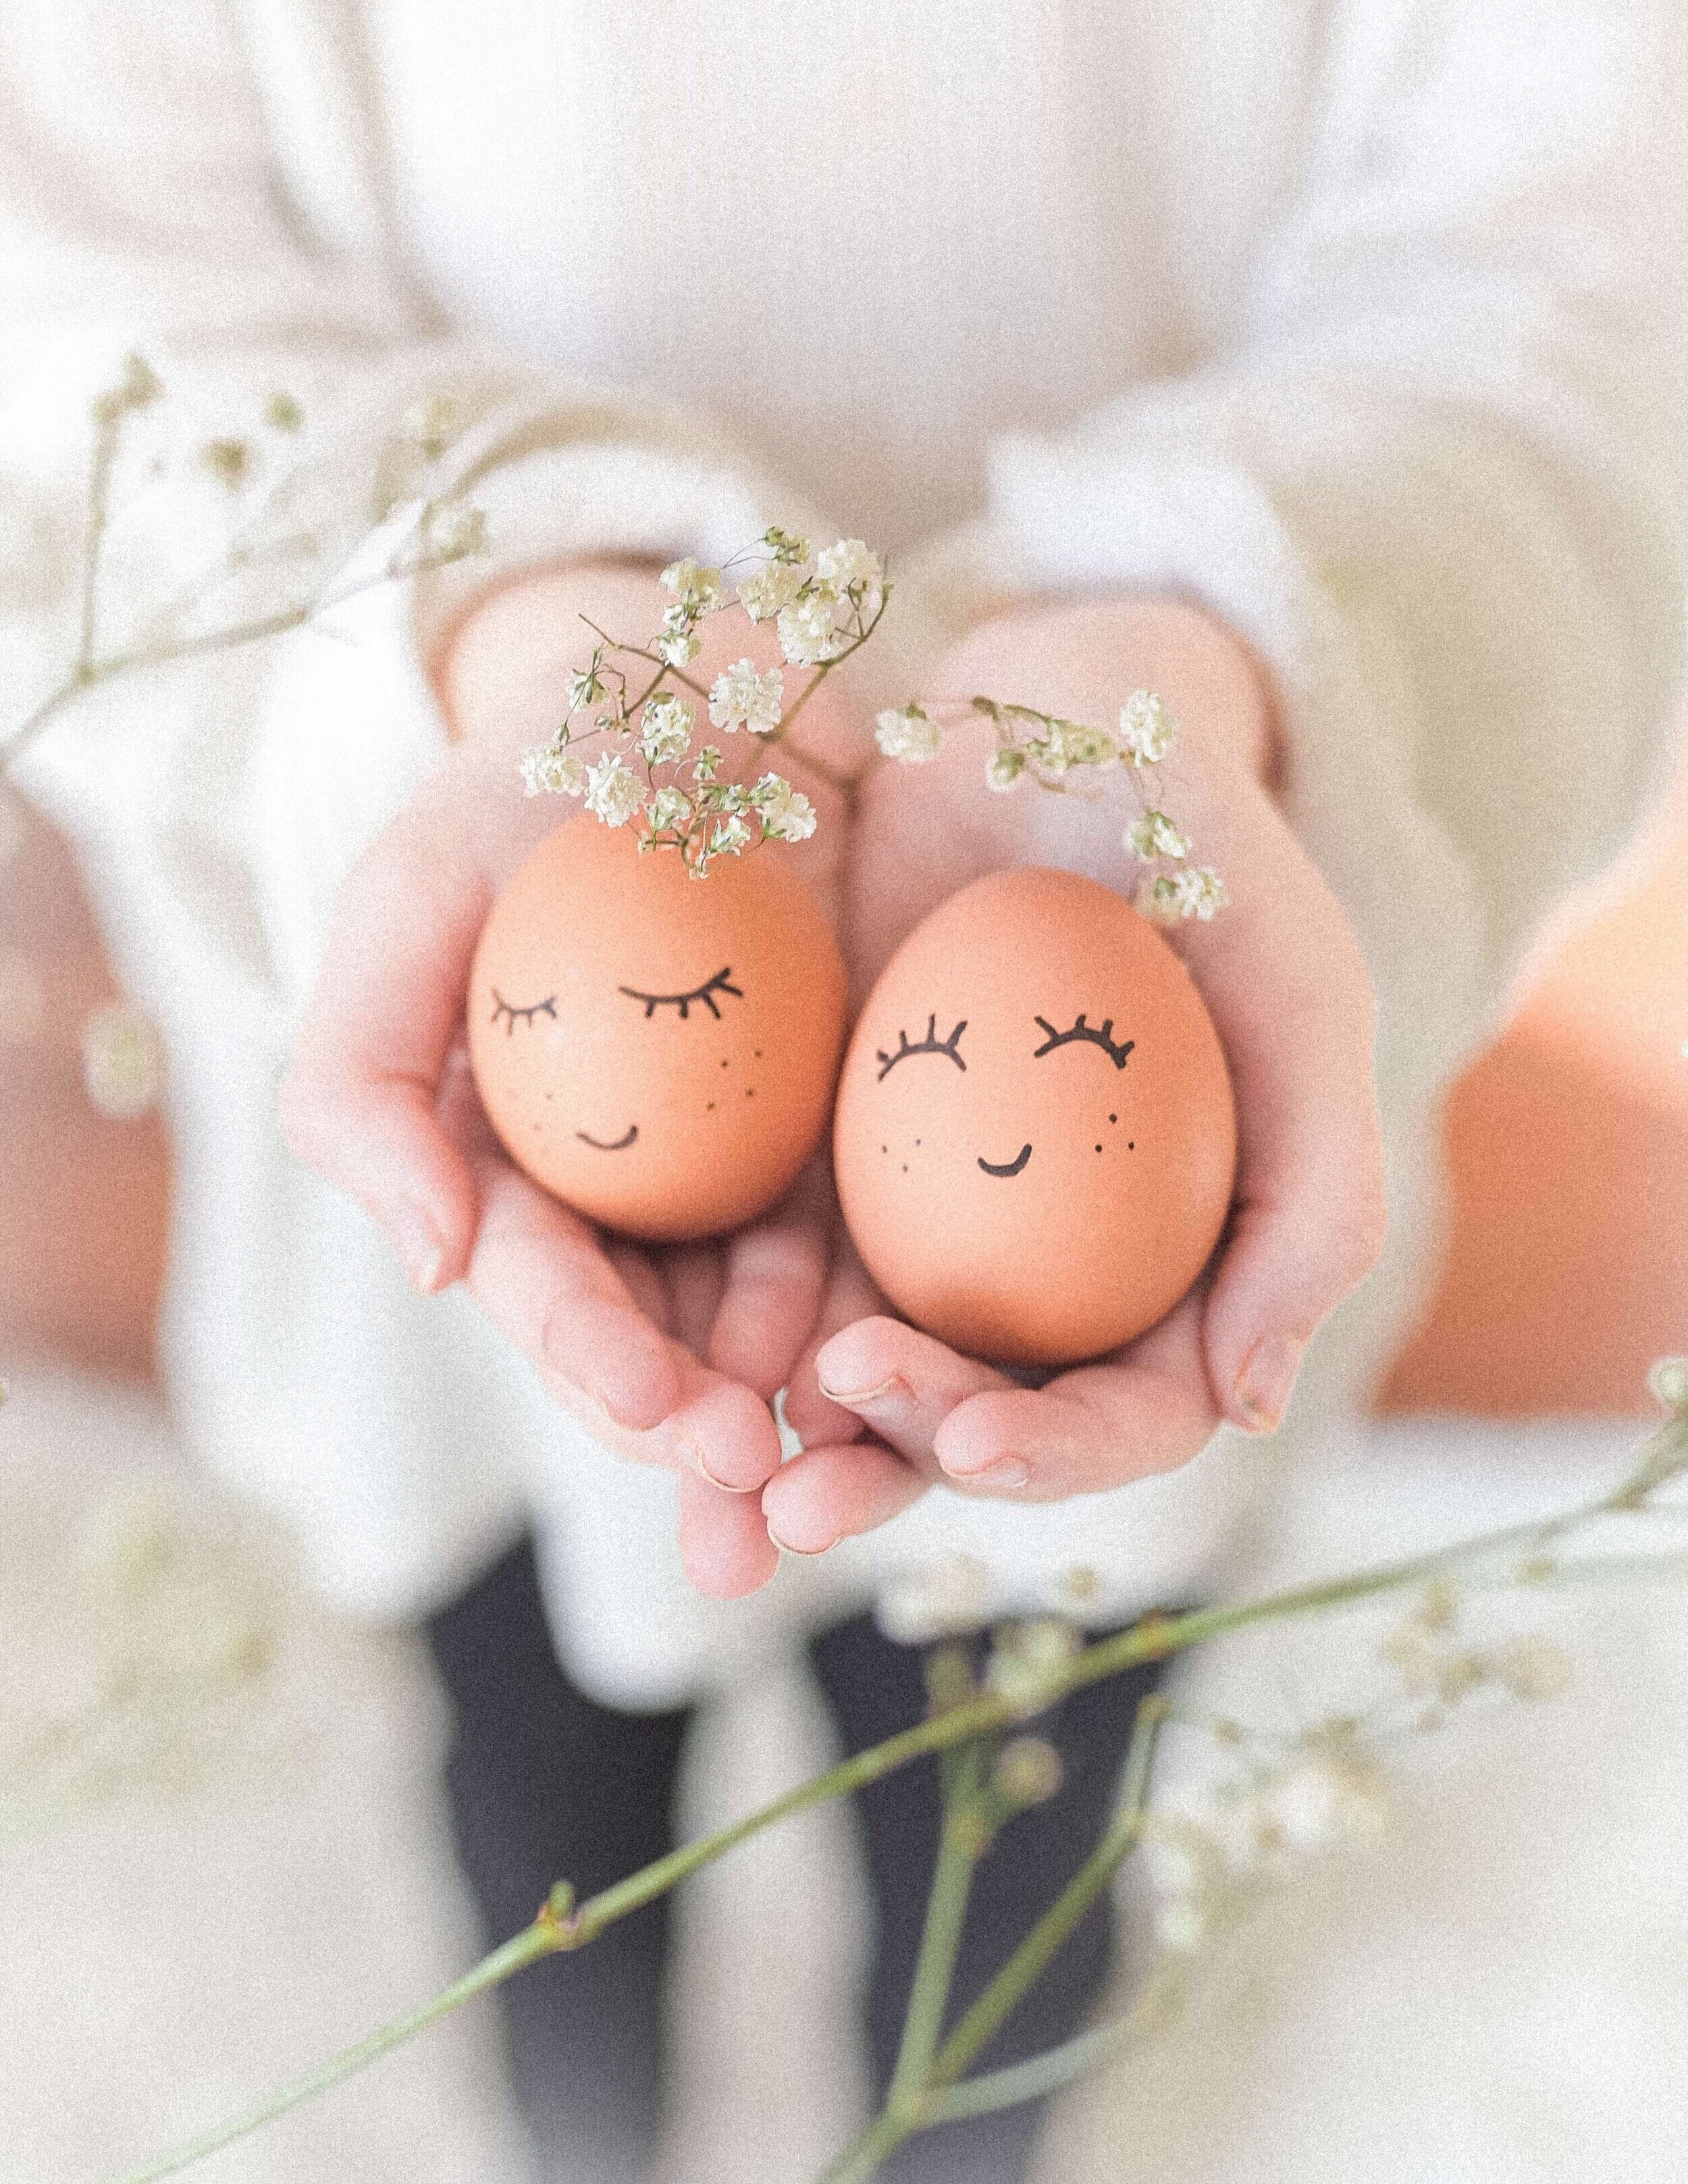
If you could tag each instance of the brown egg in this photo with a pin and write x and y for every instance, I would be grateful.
(659, 1051)
(1034, 1139)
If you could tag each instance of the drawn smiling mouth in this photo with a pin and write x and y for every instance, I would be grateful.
(620, 1144)
(1006, 1167)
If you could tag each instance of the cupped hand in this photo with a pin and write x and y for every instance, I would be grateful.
(667, 1355)
(885, 1411)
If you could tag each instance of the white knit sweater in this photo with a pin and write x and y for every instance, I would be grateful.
(1346, 316)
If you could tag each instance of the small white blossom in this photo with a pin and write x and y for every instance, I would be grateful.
(1064, 744)
(613, 791)
(1325, 1798)
(1145, 728)
(809, 634)
(1153, 835)
(678, 648)
(432, 422)
(1028, 1771)
(665, 729)
(1027, 1658)
(851, 567)
(122, 1061)
(730, 836)
(1531, 1668)
(786, 813)
(694, 587)
(1004, 769)
(741, 697)
(545, 768)
(904, 733)
(1669, 1383)
(768, 589)
(453, 534)
(945, 1599)
(708, 763)
(671, 810)
(1196, 891)
(584, 689)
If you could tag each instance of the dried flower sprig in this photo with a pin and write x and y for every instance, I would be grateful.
(1050, 751)
(649, 771)
(445, 530)
(1316, 1786)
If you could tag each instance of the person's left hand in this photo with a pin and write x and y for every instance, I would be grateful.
(884, 1410)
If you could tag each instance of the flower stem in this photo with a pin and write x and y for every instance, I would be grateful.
(961, 1844)
(1663, 1458)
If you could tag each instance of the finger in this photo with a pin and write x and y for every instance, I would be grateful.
(827, 1495)
(358, 1103)
(1289, 992)
(539, 1273)
(645, 1285)
(901, 1384)
(848, 1296)
(720, 1429)
(694, 1278)
(775, 1273)
(724, 1542)
(1148, 1410)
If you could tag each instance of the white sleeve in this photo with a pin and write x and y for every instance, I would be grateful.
(1431, 470)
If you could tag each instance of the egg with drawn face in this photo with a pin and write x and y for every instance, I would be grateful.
(659, 1051)
(1034, 1138)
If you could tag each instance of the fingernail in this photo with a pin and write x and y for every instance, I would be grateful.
(418, 1249)
(699, 1462)
(808, 1553)
(1008, 1472)
(1267, 1382)
(892, 1389)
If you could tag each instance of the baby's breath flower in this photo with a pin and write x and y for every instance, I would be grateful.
(139, 387)
(730, 836)
(905, 733)
(809, 634)
(769, 589)
(122, 1061)
(1145, 728)
(1531, 1668)
(1027, 1658)
(230, 461)
(1064, 745)
(949, 1598)
(708, 763)
(586, 687)
(786, 813)
(789, 546)
(1194, 891)
(670, 811)
(665, 729)
(741, 697)
(545, 768)
(1028, 1771)
(694, 587)
(854, 571)
(1005, 768)
(1327, 1796)
(678, 648)
(1153, 835)
(1669, 1383)
(613, 791)
(433, 422)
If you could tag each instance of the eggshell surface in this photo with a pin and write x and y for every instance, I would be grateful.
(659, 1051)
(1034, 1139)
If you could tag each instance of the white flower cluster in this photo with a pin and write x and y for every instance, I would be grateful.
(822, 611)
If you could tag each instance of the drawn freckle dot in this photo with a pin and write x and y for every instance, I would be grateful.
(712, 1107)
(906, 1168)
(1131, 1144)
(1113, 1119)
(1099, 1149)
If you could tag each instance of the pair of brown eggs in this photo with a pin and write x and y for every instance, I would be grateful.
(1033, 1135)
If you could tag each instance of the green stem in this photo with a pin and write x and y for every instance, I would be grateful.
(1036, 2077)
(529, 1946)
(961, 1846)
(1150, 1639)
(1038, 1951)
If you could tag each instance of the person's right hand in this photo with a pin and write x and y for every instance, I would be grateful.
(667, 1355)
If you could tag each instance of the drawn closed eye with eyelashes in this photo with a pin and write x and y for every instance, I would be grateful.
(930, 1044)
(1116, 1050)
(511, 1013)
(703, 995)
